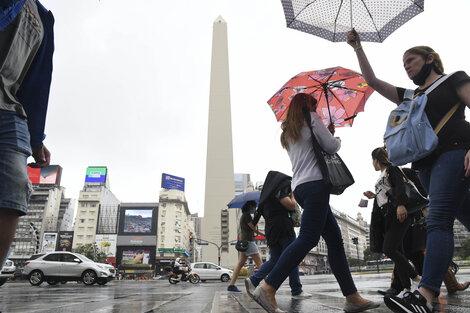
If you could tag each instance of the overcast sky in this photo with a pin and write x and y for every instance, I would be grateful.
(130, 89)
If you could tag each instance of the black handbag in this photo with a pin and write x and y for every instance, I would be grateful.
(415, 201)
(242, 245)
(334, 170)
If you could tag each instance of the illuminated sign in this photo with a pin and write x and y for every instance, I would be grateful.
(49, 175)
(95, 175)
(172, 182)
(65, 241)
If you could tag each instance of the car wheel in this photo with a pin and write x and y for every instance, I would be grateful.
(224, 278)
(2, 281)
(52, 282)
(101, 282)
(63, 282)
(36, 278)
(203, 280)
(89, 277)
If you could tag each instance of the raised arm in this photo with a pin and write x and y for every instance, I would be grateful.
(385, 89)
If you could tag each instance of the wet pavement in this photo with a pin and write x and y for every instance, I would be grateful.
(208, 297)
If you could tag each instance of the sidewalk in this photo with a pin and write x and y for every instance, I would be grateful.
(327, 296)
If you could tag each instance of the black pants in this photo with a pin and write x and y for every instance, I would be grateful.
(393, 248)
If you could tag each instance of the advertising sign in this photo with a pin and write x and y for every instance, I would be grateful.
(65, 241)
(172, 182)
(107, 244)
(48, 242)
(138, 221)
(135, 257)
(49, 175)
(95, 175)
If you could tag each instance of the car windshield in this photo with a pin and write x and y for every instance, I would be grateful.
(84, 258)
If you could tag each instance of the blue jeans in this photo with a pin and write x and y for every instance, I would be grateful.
(317, 220)
(449, 198)
(15, 187)
(275, 252)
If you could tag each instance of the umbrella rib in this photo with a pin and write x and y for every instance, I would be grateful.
(414, 2)
(303, 9)
(372, 19)
(336, 19)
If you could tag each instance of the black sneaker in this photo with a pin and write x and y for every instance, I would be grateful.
(410, 303)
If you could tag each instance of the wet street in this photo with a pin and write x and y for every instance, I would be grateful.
(160, 296)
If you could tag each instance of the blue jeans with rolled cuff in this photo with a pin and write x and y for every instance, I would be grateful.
(449, 196)
(317, 220)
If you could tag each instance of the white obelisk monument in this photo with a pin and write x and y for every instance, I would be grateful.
(220, 185)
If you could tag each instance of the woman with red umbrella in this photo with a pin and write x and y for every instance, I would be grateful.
(444, 173)
(313, 195)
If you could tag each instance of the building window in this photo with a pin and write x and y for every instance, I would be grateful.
(81, 228)
(93, 205)
(90, 228)
(91, 220)
(82, 220)
(86, 196)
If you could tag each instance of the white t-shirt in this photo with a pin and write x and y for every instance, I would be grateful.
(302, 157)
(381, 187)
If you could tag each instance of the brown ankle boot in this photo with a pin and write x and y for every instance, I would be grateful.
(452, 284)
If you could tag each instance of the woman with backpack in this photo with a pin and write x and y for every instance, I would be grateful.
(396, 219)
(444, 173)
(313, 195)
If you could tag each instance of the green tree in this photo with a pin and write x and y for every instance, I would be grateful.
(371, 256)
(91, 251)
(464, 251)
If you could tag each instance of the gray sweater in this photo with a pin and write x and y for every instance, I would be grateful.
(302, 157)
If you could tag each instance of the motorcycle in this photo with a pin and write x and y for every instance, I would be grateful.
(193, 278)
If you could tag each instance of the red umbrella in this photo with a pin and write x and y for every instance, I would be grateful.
(341, 94)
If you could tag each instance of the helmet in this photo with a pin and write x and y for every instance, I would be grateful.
(177, 260)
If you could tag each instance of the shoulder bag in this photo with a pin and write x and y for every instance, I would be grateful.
(415, 201)
(334, 170)
(242, 245)
(409, 136)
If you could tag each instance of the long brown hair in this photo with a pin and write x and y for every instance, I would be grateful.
(424, 51)
(381, 155)
(294, 121)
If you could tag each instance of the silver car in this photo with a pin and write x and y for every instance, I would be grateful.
(64, 266)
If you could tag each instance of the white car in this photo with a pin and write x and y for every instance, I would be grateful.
(65, 266)
(8, 271)
(207, 270)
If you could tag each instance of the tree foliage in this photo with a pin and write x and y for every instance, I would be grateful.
(92, 252)
(371, 256)
(464, 251)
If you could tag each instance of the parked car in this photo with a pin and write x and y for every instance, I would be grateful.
(8, 270)
(207, 270)
(65, 266)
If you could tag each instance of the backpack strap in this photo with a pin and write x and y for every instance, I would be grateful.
(446, 118)
(438, 82)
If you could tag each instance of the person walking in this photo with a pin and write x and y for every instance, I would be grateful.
(275, 204)
(26, 41)
(313, 195)
(396, 219)
(444, 174)
(247, 228)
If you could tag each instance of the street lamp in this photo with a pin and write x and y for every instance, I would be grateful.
(355, 241)
(218, 247)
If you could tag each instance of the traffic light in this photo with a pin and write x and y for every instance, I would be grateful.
(355, 240)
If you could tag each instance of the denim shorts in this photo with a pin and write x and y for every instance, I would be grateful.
(15, 186)
(252, 248)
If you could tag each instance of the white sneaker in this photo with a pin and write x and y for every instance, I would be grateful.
(250, 288)
(302, 295)
(403, 293)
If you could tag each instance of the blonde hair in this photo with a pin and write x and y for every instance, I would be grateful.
(291, 127)
(424, 51)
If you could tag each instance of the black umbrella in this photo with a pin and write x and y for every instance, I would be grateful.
(374, 20)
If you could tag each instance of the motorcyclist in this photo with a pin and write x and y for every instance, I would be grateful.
(178, 268)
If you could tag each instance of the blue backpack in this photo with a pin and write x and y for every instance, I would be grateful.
(409, 136)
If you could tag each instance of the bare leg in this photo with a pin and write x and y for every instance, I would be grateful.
(257, 259)
(8, 223)
(241, 261)
(357, 299)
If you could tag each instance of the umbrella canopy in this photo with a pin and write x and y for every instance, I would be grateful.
(374, 20)
(243, 198)
(341, 94)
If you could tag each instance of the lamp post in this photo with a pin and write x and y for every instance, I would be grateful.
(36, 235)
(218, 248)
(355, 241)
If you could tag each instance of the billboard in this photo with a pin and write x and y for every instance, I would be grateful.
(135, 257)
(49, 175)
(106, 244)
(48, 242)
(95, 175)
(172, 182)
(138, 221)
(64, 241)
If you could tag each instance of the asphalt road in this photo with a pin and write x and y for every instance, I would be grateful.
(160, 296)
